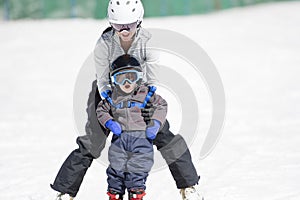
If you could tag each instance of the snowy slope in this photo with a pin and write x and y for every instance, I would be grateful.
(256, 51)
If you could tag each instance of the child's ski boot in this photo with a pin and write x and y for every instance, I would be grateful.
(113, 195)
(136, 194)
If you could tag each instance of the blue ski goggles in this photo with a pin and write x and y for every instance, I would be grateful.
(131, 76)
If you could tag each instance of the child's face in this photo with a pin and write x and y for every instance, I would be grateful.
(127, 80)
(128, 87)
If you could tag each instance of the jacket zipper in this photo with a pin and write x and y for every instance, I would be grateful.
(127, 116)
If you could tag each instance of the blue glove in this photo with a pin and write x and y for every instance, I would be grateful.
(114, 126)
(152, 129)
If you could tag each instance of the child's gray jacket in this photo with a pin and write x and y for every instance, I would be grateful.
(131, 118)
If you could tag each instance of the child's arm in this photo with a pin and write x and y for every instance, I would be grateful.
(105, 119)
(159, 116)
(103, 112)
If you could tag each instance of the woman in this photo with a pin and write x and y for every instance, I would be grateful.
(125, 36)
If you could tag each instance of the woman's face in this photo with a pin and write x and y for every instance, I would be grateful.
(126, 35)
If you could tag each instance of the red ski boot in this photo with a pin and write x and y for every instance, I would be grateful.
(136, 194)
(113, 195)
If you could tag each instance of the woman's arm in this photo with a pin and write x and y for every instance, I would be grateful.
(160, 108)
(102, 65)
(152, 66)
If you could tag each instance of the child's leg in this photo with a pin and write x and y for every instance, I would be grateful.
(115, 180)
(116, 171)
(140, 162)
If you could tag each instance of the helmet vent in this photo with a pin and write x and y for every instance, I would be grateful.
(133, 10)
(118, 3)
(112, 10)
(128, 2)
(136, 2)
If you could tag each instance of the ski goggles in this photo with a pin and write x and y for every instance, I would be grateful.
(124, 27)
(131, 76)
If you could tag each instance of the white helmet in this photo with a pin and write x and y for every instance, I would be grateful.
(125, 11)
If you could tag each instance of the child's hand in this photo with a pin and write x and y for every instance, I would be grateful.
(114, 126)
(152, 129)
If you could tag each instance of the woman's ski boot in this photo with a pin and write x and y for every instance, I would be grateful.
(62, 196)
(191, 193)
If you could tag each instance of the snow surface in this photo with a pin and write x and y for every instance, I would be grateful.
(256, 50)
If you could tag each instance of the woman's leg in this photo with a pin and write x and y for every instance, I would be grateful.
(73, 170)
(177, 155)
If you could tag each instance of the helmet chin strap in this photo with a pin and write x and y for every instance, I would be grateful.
(138, 28)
